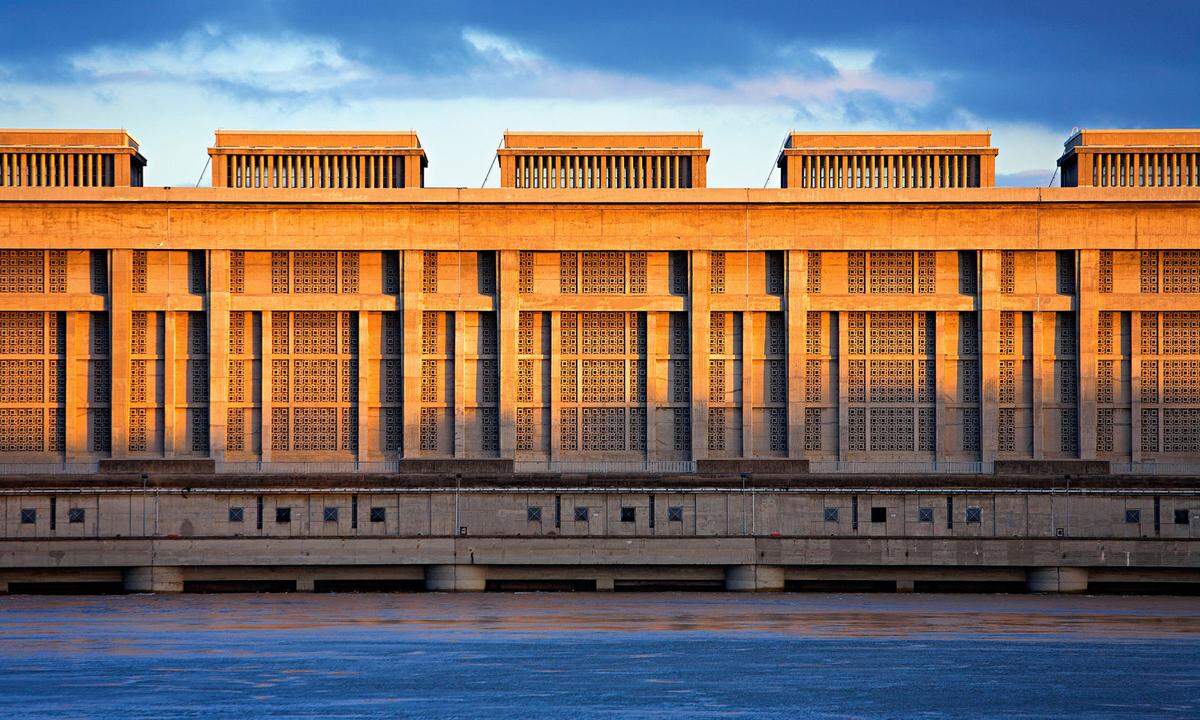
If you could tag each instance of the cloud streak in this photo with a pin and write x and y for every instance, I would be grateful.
(207, 78)
(284, 63)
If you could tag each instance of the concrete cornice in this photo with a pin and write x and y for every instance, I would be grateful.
(502, 196)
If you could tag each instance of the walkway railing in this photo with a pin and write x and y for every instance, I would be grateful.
(600, 468)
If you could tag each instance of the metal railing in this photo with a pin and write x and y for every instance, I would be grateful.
(49, 468)
(1154, 468)
(307, 468)
(901, 467)
(601, 467)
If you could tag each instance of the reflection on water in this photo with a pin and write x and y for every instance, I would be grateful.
(599, 656)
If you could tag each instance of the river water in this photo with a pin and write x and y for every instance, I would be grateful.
(586, 655)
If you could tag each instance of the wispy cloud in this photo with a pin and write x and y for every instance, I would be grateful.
(173, 94)
(285, 63)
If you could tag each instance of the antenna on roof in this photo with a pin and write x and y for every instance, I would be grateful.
(776, 163)
(206, 162)
(494, 158)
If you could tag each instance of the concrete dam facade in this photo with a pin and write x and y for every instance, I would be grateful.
(886, 373)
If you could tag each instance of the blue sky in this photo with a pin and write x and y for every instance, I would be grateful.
(461, 72)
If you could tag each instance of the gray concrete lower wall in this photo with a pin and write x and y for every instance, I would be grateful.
(162, 540)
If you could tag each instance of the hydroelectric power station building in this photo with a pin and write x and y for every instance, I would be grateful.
(319, 373)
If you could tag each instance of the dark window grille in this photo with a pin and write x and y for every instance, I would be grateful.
(378, 514)
(533, 514)
(236, 514)
(283, 515)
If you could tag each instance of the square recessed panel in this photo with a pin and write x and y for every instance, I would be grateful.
(878, 514)
(75, 515)
(974, 515)
(674, 514)
(925, 515)
(378, 514)
(330, 514)
(1133, 515)
(28, 516)
(283, 515)
(831, 514)
(236, 514)
(533, 514)
(628, 514)
(581, 514)
(1182, 516)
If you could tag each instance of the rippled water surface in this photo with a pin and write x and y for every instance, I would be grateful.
(599, 656)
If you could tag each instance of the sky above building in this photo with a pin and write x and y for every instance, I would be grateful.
(460, 73)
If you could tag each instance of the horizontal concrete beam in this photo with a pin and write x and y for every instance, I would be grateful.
(636, 551)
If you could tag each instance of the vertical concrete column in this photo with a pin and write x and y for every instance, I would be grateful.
(1039, 386)
(751, 389)
(170, 378)
(460, 390)
(556, 383)
(1057, 580)
(754, 578)
(508, 265)
(1087, 316)
(217, 178)
(120, 313)
(76, 368)
(700, 322)
(456, 578)
(412, 306)
(843, 387)
(943, 392)
(1084, 164)
(796, 317)
(656, 383)
(218, 351)
(989, 351)
(268, 378)
(1135, 387)
(368, 385)
(122, 170)
(153, 579)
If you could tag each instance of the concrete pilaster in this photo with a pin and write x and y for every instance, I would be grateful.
(368, 384)
(218, 351)
(989, 351)
(700, 322)
(412, 304)
(508, 266)
(75, 420)
(1087, 318)
(455, 578)
(796, 317)
(153, 579)
(656, 382)
(1057, 580)
(121, 318)
(754, 578)
(751, 385)
(170, 381)
(1135, 387)
(943, 390)
(1039, 385)
(267, 375)
(460, 373)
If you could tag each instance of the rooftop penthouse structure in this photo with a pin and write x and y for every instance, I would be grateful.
(344, 160)
(1131, 158)
(69, 158)
(577, 160)
(603, 371)
(894, 160)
